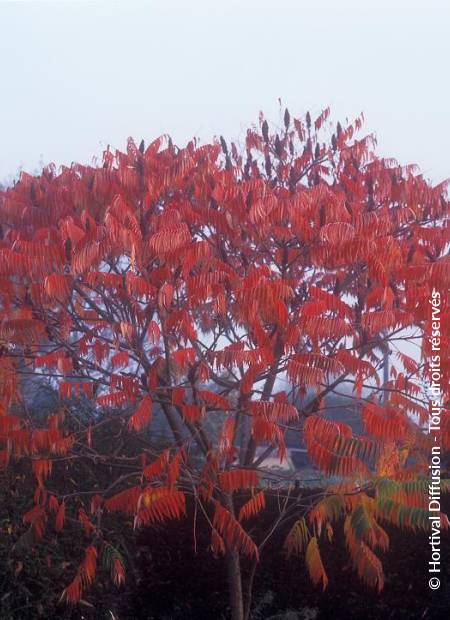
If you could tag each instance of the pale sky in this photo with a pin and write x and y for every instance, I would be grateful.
(79, 75)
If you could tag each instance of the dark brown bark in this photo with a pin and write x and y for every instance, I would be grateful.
(234, 573)
(249, 591)
(235, 584)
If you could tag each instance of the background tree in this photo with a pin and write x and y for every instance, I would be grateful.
(213, 281)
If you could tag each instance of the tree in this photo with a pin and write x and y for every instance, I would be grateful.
(209, 282)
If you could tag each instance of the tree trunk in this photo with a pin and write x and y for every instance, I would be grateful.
(235, 584)
(249, 591)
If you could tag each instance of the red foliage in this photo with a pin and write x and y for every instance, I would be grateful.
(200, 281)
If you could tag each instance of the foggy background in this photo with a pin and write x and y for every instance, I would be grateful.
(76, 76)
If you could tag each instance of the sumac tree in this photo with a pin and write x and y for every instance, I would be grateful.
(212, 282)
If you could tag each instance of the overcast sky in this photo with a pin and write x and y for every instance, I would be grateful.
(79, 75)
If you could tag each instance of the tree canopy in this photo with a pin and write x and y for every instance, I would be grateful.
(228, 283)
